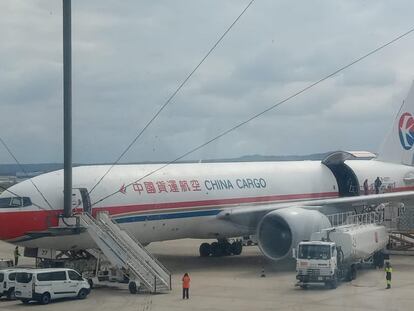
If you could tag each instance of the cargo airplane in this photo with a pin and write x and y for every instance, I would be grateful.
(281, 203)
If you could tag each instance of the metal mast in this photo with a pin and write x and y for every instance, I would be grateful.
(67, 109)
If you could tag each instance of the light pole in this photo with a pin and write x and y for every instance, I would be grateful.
(67, 109)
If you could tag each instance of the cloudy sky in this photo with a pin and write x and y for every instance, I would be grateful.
(129, 56)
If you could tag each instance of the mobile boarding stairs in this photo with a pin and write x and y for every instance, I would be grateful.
(126, 253)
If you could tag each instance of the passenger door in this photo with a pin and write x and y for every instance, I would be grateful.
(12, 280)
(60, 285)
(81, 200)
(75, 280)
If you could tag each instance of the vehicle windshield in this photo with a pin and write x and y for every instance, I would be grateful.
(12, 202)
(23, 277)
(314, 252)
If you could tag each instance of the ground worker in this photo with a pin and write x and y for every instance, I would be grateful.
(377, 185)
(388, 272)
(366, 187)
(16, 256)
(186, 285)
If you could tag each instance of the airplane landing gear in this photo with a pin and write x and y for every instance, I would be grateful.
(221, 248)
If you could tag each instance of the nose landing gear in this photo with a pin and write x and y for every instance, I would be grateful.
(221, 248)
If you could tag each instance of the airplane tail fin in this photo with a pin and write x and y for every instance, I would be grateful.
(398, 144)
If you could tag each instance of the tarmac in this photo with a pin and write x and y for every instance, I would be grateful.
(234, 283)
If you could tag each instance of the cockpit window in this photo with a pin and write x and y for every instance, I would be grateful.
(15, 202)
(26, 201)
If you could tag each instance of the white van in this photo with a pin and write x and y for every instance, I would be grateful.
(7, 282)
(44, 285)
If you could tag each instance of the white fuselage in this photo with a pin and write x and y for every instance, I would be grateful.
(181, 200)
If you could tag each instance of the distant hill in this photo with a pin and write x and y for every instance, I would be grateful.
(15, 170)
(35, 169)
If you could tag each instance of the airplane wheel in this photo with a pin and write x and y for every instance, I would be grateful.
(216, 250)
(227, 248)
(236, 248)
(205, 250)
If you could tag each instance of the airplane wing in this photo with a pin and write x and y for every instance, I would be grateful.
(250, 215)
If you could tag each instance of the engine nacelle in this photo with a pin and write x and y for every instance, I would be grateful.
(281, 230)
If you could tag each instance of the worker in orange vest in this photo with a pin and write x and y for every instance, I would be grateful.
(186, 285)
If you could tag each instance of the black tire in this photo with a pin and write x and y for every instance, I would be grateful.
(216, 250)
(25, 301)
(205, 250)
(132, 286)
(333, 284)
(227, 249)
(83, 293)
(11, 294)
(379, 260)
(348, 275)
(90, 283)
(45, 299)
(237, 248)
(353, 272)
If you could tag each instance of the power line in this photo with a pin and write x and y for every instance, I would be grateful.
(172, 96)
(297, 93)
(24, 171)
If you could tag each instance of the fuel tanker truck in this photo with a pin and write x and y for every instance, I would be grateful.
(334, 254)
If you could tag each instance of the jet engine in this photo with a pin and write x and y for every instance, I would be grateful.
(281, 230)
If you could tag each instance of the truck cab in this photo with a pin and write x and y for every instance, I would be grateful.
(316, 263)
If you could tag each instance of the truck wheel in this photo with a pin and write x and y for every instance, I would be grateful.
(83, 293)
(90, 281)
(379, 260)
(45, 299)
(333, 284)
(348, 275)
(353, 272)
(11, 294)
(132, 286)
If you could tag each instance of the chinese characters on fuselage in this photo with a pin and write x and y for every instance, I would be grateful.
(171, 186)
